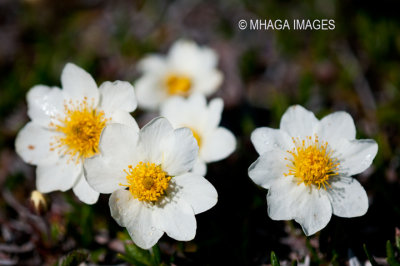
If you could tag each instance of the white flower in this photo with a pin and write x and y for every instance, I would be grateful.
(215, 143)
(147, 174)
(186, 69)
(307, 166)
(66, 126)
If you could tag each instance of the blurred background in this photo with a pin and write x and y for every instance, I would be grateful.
(355, 68)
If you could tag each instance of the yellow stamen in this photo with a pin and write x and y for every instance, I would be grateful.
(312, 162)
(81, 128)
(147, 181)
(178, 85)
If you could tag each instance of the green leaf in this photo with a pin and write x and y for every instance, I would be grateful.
(156, 254)
(370, 258)
(334, 258)
(74, 258)
(274, 259)
(390, 256)
(137, 256)
(130, 260)
(97, 254)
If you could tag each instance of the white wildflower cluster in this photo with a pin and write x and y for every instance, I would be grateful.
(83, 137)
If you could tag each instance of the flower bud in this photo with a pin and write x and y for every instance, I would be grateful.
(38, 202)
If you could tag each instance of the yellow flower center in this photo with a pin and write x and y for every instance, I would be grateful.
(81, 127)
(312, 162)
(196, 136)
(147, 181)
(178, 85)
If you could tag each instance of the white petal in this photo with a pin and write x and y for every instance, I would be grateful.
(218, 145)
(214, 113)
(105, 171)
(197, 101)
(183, 54)
(142, 231)
(191, 112)
(44, 103)
(33, 144)
(196, 110)
(197, 191)
(348, 197)
(266, 139)
(77, 84)
(199, 168)
(151, 138)
(117, 95)
(118, 144)
(152, 63)
(123, 206)
(268, 167)
(282, 198)
(172, 110)
(137, 219)
(336, 126)
(179, 152)
(176, 219)
(84, 192)
(150, 92)
(315, 213)
(311, 208)
(123, 117)
(104, 176)
(298, 122)
(187, 56)
(61, 175)
(209, 82)
(355, 155)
